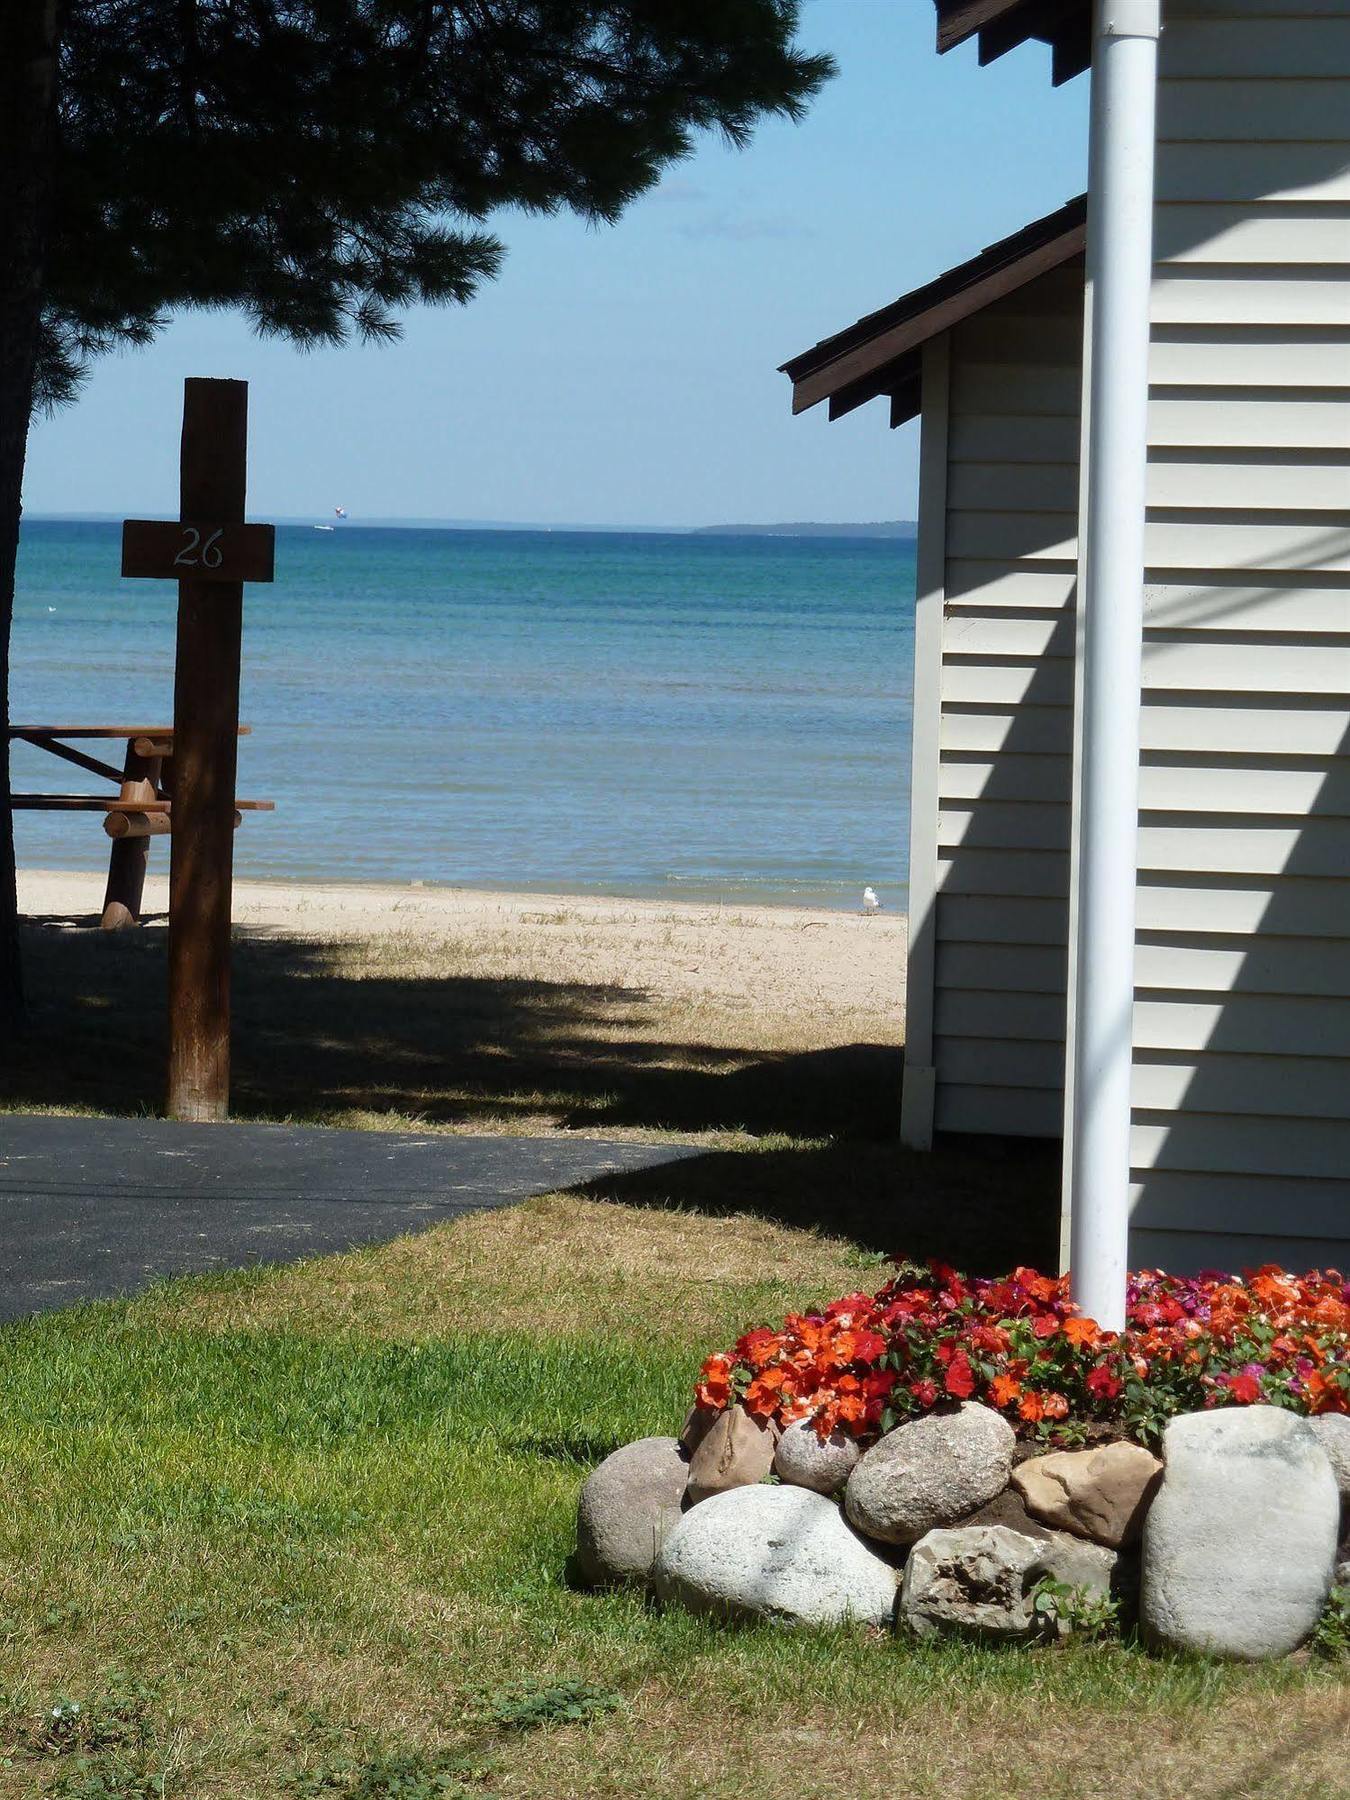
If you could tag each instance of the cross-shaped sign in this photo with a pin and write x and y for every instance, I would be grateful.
(211, 552)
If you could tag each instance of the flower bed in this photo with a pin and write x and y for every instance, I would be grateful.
(867, 1363)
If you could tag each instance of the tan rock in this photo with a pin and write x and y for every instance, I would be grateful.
(697, 1424)
(1099, 1494)
(735, 1451)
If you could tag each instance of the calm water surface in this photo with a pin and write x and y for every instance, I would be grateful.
(644, 714)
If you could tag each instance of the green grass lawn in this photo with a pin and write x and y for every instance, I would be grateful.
(303, 1532)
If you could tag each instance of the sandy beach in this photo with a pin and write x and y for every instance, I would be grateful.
(836, 969)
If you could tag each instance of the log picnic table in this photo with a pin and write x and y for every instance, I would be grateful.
(141, 809)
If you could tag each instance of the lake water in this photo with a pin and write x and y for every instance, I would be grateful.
(635, 714)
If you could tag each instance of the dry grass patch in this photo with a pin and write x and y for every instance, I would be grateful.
(559, 1265)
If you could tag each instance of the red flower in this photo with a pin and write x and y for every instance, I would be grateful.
(925, 1391)
(1102, 1384)
(960, 1377)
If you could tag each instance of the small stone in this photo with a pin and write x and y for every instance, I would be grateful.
(774, 1553)
(1239, 1542)
(627, 1506)
(735, 1451)
(930, 1472)
(1100, 1494)
(981, 1579)
(1333, 1434)
(806, 1460)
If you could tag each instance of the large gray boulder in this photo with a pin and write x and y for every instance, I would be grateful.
(1100, 1494)
(807, 1460)
(981, 1579)
(774, 1553)
(627, 1506)
(733, 1452)
(1240, 1539)
(930, 1472)
(1333, 1434)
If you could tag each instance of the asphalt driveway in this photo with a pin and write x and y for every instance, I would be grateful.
(91, 1208)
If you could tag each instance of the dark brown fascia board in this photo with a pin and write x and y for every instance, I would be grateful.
(863, 359)
(961, 19)
(1002, 25)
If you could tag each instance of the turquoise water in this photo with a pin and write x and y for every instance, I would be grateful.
(645, 714)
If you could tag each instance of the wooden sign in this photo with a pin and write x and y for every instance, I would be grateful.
(211, 553)
(173, 550)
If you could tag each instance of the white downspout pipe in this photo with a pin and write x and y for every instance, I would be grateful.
(1120, 269)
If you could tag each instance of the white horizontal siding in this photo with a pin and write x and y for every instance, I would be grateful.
(1287, 235)
(1191, 722)
(974, 919)
(1249, 356)
(1282, 1087)
(1283, 481)
(1242, 1024)
(997, 437)
(1224, 1143)
(1222, 296)
(1242, 1018)
(1268, 46)
(1007, 1111)
(1265, 964)
(1241, 786)
(1042, 873)
(1244, 1204)
(1254, 171)
(1258, 419)
(1282, 724)
(1189, 1252)
(1231, 904)
(1269, 111)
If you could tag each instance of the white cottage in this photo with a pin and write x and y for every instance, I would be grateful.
(1238, 1061)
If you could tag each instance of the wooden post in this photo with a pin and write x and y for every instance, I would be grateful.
(130, 854)
(205, 742)
(211, 553)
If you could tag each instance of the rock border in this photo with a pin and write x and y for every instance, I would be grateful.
(1228, 1545)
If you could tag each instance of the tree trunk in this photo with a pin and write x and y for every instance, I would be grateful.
(28, 74)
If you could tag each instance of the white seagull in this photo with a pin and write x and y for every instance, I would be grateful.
(871, 904)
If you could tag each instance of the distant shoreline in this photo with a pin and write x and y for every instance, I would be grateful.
(898, 530)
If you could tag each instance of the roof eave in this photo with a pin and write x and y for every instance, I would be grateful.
(1001, 25)
(880, 354)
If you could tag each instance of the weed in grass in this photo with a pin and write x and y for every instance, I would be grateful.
(1060, 1606)
(395, 1775)
(115, 1720)
(528, 1705)
(1332, 1637)
(108, 1778)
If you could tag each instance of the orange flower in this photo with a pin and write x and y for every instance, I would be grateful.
(1031, 1409)
(762, 1395)
(714, 1387)
(1082, 1331)
(1004, 1390)
(758, 1347)
(1055, 1406)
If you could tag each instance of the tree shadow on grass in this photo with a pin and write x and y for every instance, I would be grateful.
(315, 1042)
(982, 1204)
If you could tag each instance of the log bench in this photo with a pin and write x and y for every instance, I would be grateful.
(141, 809)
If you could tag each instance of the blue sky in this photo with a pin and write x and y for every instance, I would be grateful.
(628, 375)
